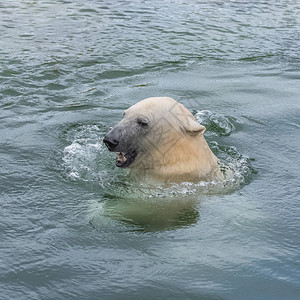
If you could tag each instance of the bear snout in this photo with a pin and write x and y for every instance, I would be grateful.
(110, 143)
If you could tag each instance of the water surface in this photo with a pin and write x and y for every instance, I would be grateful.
(75, 226)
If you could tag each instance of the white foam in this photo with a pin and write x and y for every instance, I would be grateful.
(82, 158)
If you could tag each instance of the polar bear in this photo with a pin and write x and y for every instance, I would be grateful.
(160, 138)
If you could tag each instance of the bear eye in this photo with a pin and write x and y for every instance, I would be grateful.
(142, 122)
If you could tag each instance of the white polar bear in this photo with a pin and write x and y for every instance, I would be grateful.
(161, 138)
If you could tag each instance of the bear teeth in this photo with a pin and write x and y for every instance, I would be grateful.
(121, 157)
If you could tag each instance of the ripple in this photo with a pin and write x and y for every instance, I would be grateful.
(56, 86)
(241, 58)
(216, 125)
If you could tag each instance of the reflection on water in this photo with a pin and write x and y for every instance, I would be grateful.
(146, 214)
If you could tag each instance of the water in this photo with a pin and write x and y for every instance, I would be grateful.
(74, 226)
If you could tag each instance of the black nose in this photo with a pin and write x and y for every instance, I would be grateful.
(110, 143)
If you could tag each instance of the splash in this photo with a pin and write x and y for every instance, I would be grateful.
(216, 125)
(87, 160)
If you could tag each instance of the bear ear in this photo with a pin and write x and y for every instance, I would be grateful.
(193, 128)
(187, 121)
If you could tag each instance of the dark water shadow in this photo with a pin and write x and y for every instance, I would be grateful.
(146, 213)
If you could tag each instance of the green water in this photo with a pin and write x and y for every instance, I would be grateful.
(75, 226)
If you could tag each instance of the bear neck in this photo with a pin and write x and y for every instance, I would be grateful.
(189, 159)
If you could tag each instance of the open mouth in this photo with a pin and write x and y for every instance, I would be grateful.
(124, 160)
